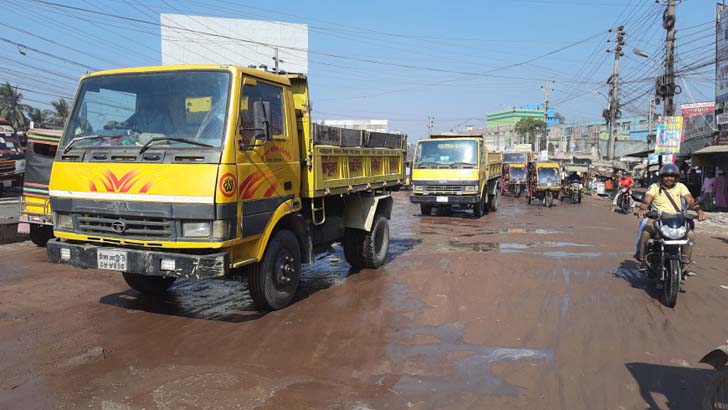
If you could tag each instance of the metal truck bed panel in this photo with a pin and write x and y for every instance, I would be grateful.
(339, 170)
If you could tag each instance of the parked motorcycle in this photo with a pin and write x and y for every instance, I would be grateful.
(664, 252)
(716, 393)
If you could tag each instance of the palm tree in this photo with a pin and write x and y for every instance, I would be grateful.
(38, 116)
(62, 110)
(11, 106)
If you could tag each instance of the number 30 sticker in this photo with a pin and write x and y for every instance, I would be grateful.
(228, 184)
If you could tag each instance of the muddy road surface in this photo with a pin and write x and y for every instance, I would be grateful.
(525, 308)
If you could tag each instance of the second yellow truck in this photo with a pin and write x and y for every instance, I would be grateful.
(456, 170)
(215, 171)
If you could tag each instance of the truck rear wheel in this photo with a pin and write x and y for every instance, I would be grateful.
(40, 234)
(479, 208)
(493, 202)
(426, 209)
(148, 285)
(367, 249)
(273, 281)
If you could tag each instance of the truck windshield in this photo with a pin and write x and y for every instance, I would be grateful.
(434, 154)
(131, 109)
(9, 145)
(514, 157)
(518, 173)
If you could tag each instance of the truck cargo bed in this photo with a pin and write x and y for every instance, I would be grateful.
(343, 161)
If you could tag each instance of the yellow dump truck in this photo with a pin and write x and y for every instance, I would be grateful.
(35, 210)
(456, 170)
(215, 171)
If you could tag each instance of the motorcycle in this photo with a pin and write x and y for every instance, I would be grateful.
(664, 252)
(624, 204)
(716, 393)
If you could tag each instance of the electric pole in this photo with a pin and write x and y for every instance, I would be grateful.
(430, 122)
(546, 90)
(614, 112)
(649, 119)
(667, 89)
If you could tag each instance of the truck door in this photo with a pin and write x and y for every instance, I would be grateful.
(268, 171)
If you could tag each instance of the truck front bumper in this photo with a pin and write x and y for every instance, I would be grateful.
(444, 199)
(143, 262)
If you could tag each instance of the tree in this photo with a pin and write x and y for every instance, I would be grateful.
(528, 129)
(39, 116)
(11, 106)
(62, 110)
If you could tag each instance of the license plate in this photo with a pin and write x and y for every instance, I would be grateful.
(111, 260)
(7, 184)
(441, 199)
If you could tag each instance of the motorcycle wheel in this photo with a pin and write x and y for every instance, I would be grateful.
(716, 394)
(672, 283)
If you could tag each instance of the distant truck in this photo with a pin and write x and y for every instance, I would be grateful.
(12, 157)
(456, 170)
(215, 171)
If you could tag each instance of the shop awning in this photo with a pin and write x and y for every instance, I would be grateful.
(714, 155)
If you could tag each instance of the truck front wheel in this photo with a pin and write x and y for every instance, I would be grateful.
(273, 281)
(426, 209)
(148, 285)
(367, 249)
(40, 234)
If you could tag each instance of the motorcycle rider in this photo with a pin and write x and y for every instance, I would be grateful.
(625, 184)
(657, 198)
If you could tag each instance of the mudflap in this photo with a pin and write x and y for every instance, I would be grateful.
(716, 358)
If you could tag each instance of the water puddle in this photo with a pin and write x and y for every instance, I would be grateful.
(468, 366)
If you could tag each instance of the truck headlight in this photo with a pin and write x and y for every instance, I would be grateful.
(470, 188)
(418, 187)
(220, 229)
(20, 165)
(196, 229)
(673, 233)
(64, 222)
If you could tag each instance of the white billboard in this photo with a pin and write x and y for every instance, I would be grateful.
(216, 40)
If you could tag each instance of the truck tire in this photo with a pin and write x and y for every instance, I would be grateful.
(493, 202)
(274, 280)
(367, 249)
(353, 244)
(148, 285)
(480, 207)
(426, 209)
(40, 234)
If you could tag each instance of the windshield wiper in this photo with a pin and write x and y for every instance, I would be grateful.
(148, 145)
(426, 164)
(461, 163)
(85, 137)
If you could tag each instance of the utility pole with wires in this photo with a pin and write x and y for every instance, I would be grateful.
(430, 122)
(666, 87)
(546, 89)
(614, 112)
(650, 119)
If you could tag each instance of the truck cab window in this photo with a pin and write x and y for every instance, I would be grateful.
(264, 93)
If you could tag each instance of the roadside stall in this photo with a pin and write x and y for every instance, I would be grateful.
(714, 163)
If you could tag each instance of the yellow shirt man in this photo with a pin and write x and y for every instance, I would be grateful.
(660, 202)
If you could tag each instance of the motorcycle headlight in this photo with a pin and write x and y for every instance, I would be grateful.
(673, 233)
(20, 165)
(196, 229)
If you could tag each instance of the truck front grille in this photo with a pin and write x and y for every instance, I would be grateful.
(126, 226)
(444, 188)
(5, 168)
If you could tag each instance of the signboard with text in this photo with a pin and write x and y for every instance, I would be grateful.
(698, 120)
(669, 134)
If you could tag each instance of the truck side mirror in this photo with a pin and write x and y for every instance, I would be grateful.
(261, 127)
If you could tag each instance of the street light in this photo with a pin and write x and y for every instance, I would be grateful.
(602, 94)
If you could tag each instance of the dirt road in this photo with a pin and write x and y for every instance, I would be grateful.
(526, 308)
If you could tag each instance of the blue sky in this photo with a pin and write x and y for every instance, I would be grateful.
(495, 54)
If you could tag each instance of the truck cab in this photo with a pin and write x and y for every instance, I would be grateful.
(12, 157)
(455, 170)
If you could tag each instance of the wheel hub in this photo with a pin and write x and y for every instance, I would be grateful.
(284, 271)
